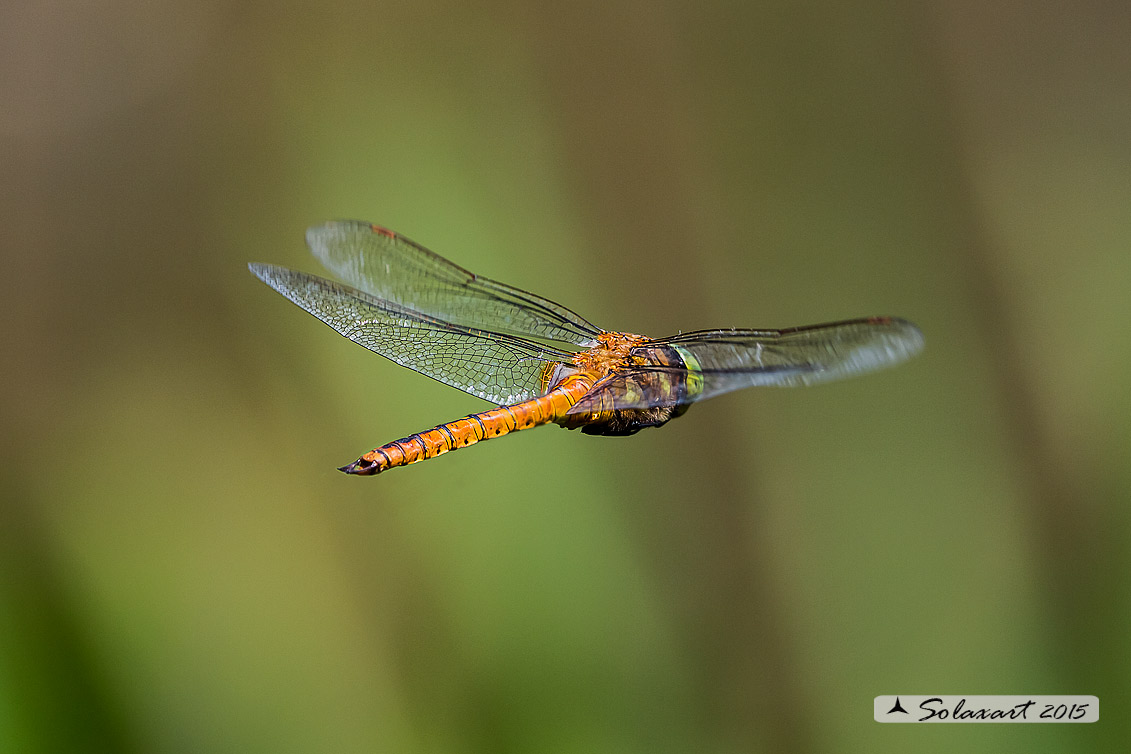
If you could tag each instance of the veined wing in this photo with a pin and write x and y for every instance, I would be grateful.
(394, 269)
(501, 368)
(719, 361)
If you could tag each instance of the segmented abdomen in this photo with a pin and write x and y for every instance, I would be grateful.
(474, 428)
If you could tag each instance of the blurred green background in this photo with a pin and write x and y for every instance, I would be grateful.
(183, 570)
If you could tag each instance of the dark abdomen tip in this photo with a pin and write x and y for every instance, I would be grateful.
(361, 467)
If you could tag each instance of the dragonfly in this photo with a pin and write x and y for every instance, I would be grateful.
(539, 362)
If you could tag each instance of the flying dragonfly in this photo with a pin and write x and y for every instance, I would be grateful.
(538, 361)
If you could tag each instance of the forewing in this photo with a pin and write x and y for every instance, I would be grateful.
(500, 368)
(733, 359)
(393, 268)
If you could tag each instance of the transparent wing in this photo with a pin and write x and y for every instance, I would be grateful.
(500, 368)
(719, 361)
(393, 268)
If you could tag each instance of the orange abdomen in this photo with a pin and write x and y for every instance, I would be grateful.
(474, 428)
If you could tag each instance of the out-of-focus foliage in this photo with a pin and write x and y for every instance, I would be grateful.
(181, 568)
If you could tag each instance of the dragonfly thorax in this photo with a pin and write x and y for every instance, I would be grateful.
(636, 384)
(613, 351)
(610, 352)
